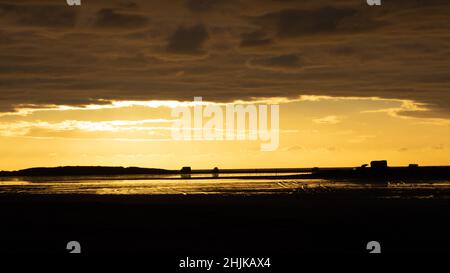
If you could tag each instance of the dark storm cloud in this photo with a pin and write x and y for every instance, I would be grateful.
(223, 50)
(286, 62)
(188, 40)
(128, 4)
(38, 15)
(255, 38)
(290, 23)
(289, 60)
(416, 3)
(202, 5)
(111, 18)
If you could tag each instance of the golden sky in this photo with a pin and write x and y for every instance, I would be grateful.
(94, 85)
(314, 131)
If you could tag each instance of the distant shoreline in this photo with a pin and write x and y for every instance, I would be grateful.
(385, 173)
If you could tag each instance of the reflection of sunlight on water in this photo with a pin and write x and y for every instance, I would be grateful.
(72, 185)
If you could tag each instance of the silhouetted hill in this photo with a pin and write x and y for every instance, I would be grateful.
(84, 170)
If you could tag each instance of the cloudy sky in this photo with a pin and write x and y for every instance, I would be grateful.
(354, 80)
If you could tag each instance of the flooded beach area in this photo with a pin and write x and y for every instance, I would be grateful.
(170, 217)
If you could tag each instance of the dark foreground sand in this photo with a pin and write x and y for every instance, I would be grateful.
(261, 225)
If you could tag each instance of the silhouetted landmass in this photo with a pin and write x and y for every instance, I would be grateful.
(378, 171)
(388, 173)
(85, 170)
(105, 171)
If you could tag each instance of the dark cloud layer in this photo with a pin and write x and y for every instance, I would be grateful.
(33, 15)
(289, 60)
(255, 38)
(111, 18)
(281, 62)
(294, 23)
(202, 5)
(188, 40)
(223, 50)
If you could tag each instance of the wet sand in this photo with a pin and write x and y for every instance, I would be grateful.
(169, 226)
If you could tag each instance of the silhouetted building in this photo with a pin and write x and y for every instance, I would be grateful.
(215, 172)
(186, 172)
(379, 165)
